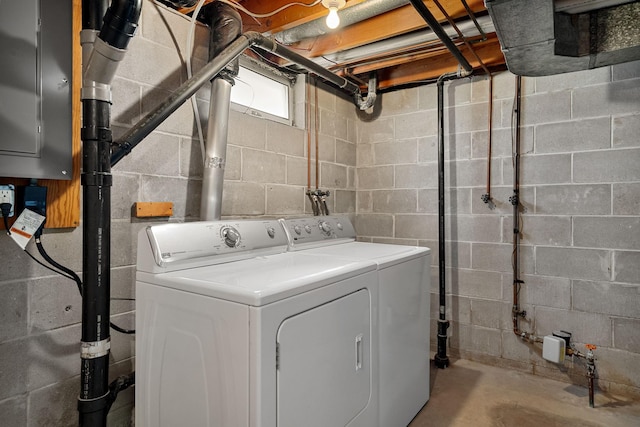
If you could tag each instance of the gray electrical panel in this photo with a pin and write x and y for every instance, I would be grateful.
(35, 89)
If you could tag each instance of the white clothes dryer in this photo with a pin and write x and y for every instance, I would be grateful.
(403, 310)
(233, 331)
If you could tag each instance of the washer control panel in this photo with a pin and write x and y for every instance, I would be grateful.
(174, 246)
(318, 231)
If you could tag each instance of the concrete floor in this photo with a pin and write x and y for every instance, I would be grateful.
(472, 394)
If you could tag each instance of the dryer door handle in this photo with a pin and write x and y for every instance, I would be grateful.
(358, 352)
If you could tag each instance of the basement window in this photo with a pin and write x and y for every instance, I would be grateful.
(262, 94)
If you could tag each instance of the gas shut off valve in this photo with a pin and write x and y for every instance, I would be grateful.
(558, 345)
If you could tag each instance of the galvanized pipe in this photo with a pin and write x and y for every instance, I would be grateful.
(216, 150)
(155, 117)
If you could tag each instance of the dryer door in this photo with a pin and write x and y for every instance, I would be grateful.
(324, 364)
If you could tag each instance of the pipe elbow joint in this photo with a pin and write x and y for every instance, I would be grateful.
(370, 99)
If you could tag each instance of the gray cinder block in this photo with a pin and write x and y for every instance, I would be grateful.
(589, 264)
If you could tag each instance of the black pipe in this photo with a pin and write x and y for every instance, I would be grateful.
(442, 35)
(441, 359)
(155, 117)
(93, 13)
(226, 26)
(120, 23)
(96, 232)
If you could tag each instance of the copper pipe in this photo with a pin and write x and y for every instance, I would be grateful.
(464, 39)
(473, 18)
(308, 126)
(515, 201)
(490, 132)
(317, 132)
(487, 196)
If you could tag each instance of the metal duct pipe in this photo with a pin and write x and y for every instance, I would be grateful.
(215, 150)
(437, 28)
(348, 16)
(468, 29)
(101, 56)
(226, 25)
(153, 119)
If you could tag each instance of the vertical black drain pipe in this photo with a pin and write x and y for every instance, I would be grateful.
(441, 359)
(101, 55)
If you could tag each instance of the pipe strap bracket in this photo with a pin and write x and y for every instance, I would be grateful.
(97, 179)
(87, 406)
(95, 349)
(94, 133)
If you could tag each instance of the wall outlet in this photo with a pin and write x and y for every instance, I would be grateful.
(8, 195)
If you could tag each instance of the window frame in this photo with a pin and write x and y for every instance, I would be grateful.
(271, 74)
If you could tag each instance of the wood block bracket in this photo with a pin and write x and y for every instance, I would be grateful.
(152, 209)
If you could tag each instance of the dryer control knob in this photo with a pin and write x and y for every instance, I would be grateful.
(339, 225)
(231, 237)
(271, 232)
(325, 227)
(297, 229)
(307, 228)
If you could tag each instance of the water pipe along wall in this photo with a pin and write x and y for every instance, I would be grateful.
(579, 187)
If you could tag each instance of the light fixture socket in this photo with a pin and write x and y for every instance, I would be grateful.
(333, 20)
(338, 4)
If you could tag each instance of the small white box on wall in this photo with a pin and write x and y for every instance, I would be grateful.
(553, 349)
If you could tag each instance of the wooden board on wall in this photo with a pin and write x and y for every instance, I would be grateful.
(63, 197)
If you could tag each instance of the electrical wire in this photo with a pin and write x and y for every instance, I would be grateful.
(268, 14)
(52, 262)
(6, 210)
(189, 60)
(70, 274)
(46, 266)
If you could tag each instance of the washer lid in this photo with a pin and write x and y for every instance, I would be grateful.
(383, 254)
(261, 280)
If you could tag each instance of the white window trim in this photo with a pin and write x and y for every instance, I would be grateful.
(252, 66)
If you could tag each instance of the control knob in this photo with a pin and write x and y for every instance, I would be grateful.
(297, 229)
(271, 232)
(231, 237)
(325, 227)
(307, 228)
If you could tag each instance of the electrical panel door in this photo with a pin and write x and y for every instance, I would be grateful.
(35, 89)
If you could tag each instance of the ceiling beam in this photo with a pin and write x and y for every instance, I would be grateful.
(430, 68)
(396, 22)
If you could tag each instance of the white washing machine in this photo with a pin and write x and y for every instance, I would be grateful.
(233, 331)
(403, 310)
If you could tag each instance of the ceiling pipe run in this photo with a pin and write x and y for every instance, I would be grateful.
(348, 16)
(156, 116)
(394, 44)
(442, 35)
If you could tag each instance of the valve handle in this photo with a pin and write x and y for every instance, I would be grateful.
(591, 346)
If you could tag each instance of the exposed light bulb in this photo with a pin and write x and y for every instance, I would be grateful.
(333, 20)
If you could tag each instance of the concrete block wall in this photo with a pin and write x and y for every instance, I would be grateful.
(580, 191)
(40, 312)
